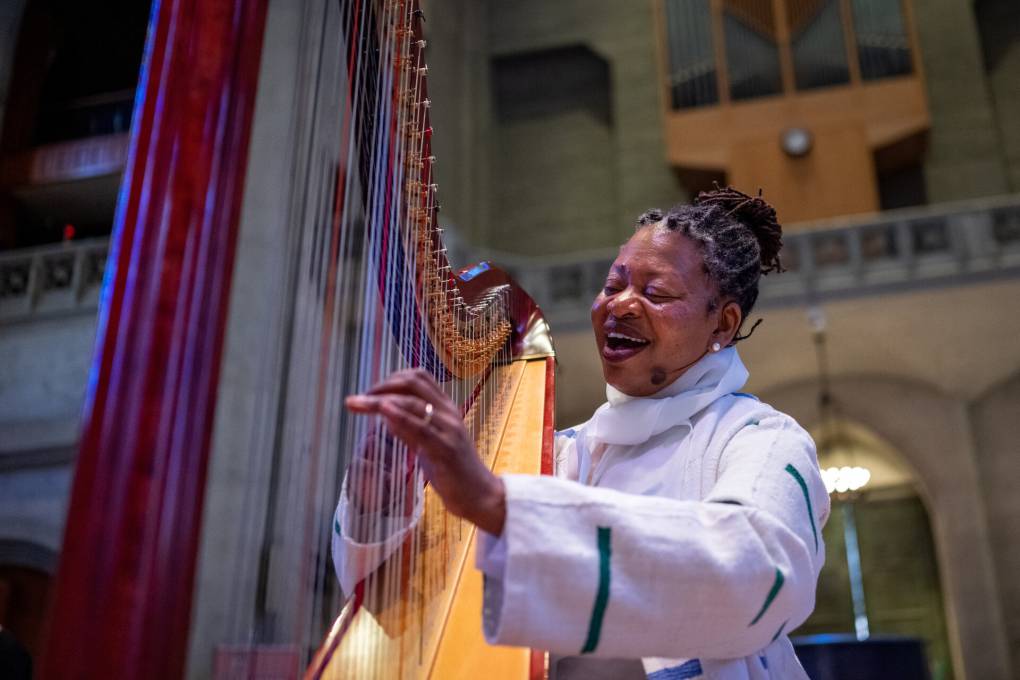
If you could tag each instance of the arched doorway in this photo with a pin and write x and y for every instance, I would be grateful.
(930, 430)
(890, 536)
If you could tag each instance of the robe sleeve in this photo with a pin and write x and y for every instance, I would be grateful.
(356, 555)
(490, 554)
(596, 571)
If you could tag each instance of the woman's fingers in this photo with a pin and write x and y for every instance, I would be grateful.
(418, 383)
(405, 417)
(359, 403)
(446, 449)
(367, 404)
(397, 405)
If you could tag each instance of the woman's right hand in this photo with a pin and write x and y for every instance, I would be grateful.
(418, 412)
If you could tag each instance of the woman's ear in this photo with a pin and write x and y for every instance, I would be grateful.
(730, 319)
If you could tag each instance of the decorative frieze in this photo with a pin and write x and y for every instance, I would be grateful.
(51, 280)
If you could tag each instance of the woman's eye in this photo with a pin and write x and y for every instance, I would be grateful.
(610, 289)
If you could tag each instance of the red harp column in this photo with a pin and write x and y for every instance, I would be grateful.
(134, 518)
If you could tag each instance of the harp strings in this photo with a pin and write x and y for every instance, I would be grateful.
(365, 289)
(439, 328)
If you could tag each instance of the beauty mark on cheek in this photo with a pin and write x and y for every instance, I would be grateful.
(658, 375)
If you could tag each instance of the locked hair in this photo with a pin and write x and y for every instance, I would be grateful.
(739, 237)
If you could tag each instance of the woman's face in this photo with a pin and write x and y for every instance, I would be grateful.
(652, 319)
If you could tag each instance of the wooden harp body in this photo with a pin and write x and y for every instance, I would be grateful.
(276, 248)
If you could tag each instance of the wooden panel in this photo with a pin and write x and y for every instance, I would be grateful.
(873, 116)
(757, 14)
(888, 110)
(783, 40)
(463, 653)
(393, 632)
(742, 140)
(837, 178)
(719, 46)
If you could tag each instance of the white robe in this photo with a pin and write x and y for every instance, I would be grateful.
(693, 540)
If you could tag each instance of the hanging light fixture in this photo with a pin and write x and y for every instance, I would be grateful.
(846, 479)
(844, 482)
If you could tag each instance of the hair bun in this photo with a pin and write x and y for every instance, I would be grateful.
(757, 215)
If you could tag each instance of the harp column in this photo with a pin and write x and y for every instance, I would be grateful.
(124, 587)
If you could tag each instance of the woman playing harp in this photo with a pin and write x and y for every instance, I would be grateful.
(681, 535)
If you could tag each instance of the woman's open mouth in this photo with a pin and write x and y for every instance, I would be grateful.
(620, 346)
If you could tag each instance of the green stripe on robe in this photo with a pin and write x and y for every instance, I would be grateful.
(598, 611)
(807, 499)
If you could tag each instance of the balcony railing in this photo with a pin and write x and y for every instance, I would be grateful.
(944, 245)
(51, 280)
(947, 244)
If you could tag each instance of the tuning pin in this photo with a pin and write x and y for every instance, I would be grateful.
(424, 70)
(422, 44)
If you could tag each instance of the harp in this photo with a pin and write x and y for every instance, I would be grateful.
(276, 247)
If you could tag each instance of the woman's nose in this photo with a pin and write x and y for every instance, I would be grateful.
(625, 303)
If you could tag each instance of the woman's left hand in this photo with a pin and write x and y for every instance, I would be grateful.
(442, 443)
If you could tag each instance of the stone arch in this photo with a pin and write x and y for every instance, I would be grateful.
(932, 432)
(994, 417)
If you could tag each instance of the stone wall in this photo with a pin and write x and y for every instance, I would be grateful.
(43, 377)
(44, 369)
(33, 503)
(558, 181)
(999, 23)
(964, 158)
(998, 456)
(1005, 83)
(458, 57)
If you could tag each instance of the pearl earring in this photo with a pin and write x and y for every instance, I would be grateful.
(716, 347)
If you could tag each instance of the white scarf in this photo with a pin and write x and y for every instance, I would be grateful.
(628, 421)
